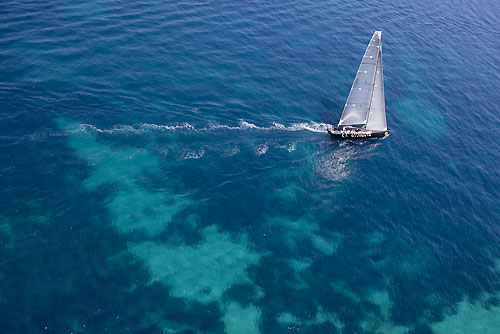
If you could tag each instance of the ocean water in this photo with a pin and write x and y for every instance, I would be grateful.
(165, 168)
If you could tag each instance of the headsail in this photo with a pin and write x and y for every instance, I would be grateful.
(358, 109)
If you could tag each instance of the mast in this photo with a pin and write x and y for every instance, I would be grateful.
(357, 108)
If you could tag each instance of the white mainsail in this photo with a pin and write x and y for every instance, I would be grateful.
(365, 105)
(376, 115)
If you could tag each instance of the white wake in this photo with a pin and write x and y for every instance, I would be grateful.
(187, 127)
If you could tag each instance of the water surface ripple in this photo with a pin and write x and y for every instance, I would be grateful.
(164, 168)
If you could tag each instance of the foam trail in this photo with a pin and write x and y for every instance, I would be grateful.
(140, 128)
(187, 127)
(194, 154)
(261, 149)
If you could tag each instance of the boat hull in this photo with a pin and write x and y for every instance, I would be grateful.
(356, 133)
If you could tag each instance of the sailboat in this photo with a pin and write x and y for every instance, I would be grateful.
(364, 111)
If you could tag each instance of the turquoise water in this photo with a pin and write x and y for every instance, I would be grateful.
(164, 168)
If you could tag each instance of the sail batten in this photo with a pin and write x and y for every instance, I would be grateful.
(366, 92)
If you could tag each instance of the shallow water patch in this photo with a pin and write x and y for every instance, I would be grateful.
(202, 272)
(470, 317)
(295, 231)
(380, 321)
(132, 207)
(136, 209)
(241, 320)
(294, 323)
(123, 165)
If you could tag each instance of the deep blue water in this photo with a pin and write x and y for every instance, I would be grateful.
(164, 168)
